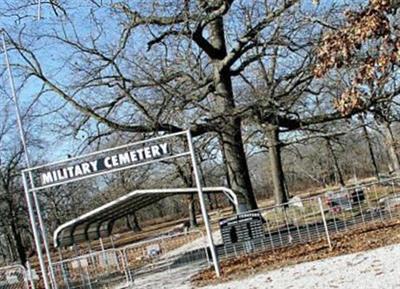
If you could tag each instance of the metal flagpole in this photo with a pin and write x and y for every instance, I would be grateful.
(39, 10)
(214, 255)
(26, 187)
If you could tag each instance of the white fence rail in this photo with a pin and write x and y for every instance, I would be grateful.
(120, 267)
(322, 217)
(15, 277)
(300, 221)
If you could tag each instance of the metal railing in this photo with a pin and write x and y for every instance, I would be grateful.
(165, 252)
(322, 217)
(15, 277)
(114, 267)
(300, 221)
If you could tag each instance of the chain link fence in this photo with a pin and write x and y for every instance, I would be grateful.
(165, 253)
(94, 270)
(321, 217)
(120, 267)
(302, 220)
(15, 277)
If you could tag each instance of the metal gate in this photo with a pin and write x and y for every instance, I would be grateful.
(123, 267)
(14, 277)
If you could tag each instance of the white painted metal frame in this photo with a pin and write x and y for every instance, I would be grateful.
(190, 152)
(21, 270)
(214, 255)
(228, 192)
(39, 10)
(104, 172)
(31, 211)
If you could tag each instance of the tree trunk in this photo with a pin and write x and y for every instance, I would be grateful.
(226, 172)
(370, 148)
(18, 243)
(185, 172)
(335, 161)
(390, 141)
(203, 178)
(278, 177)
(237, 168)
(230, 128)
(11, 248)
(192, 212)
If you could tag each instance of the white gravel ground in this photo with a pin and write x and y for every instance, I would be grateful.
(374, 269)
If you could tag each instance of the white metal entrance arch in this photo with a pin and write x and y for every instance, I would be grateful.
(109, 161)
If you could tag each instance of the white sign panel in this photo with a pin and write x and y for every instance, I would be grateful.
(110, 162)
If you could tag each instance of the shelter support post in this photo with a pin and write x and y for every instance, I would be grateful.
(101, 244)
(112, 242)
(90, 251)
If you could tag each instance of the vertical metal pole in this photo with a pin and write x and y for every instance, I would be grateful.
(28, 163)
(39, 10)
(30, 276)
(112, 242)
(124, 267)
(101, 244)
(91, 252)
(44, 235)
(205, 246)
(35, 233)
(115, 252)
(88, 276)
(105, 256)
(203, 207)
(78, 259)
(130, 278)
(389, 206)
(328, 237)
(62, 265)
(270, 235)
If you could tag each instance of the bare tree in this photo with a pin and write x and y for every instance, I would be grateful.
(370, 146)
(195, 32)
(13, 208)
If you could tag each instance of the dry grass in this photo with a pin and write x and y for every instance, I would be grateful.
(367, 238)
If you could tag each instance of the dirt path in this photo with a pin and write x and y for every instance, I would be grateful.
(375, 269)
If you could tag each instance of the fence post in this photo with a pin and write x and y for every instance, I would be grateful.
(78, 259)
(205, 245)
(321, 208)
(128, 270)
(105, 255)
(29, 275)
(124, 265)
(65, 274)
(88, 276)
(18, 277)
